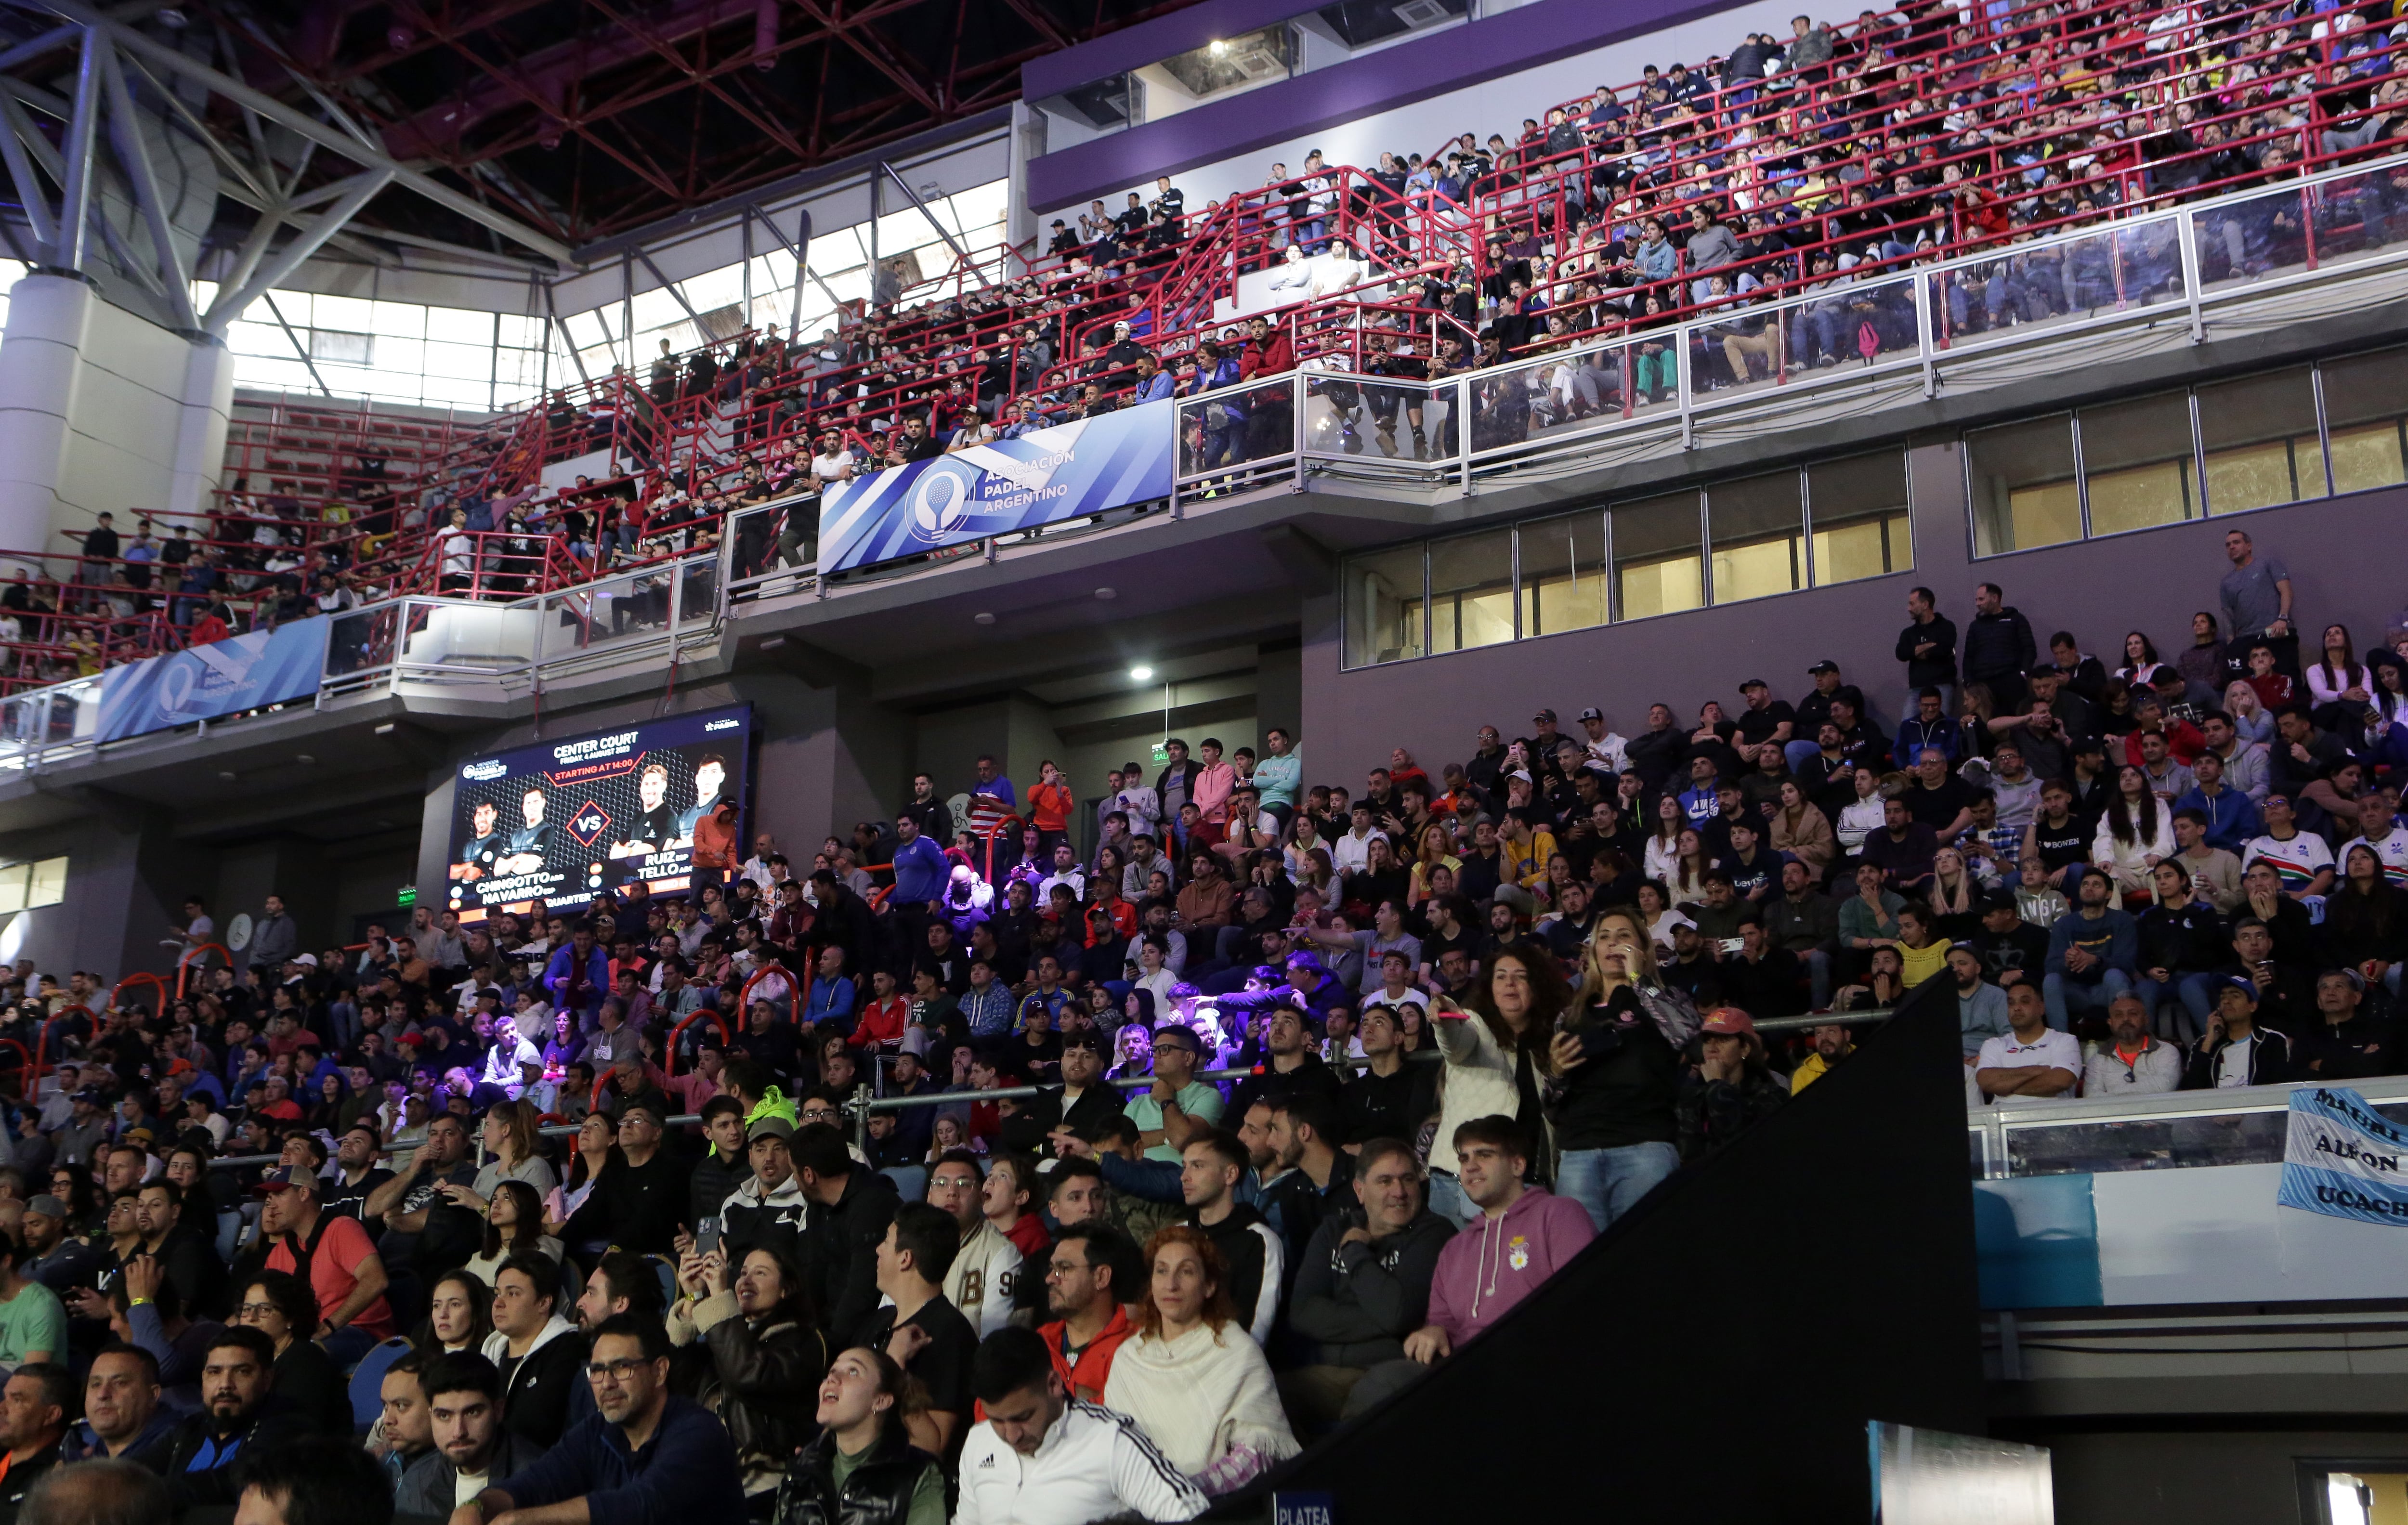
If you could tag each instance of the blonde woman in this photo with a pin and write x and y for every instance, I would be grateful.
(1954, 890)
(2251, 718)
(1435, 851)
(1618, 1138)
(1191, 1376)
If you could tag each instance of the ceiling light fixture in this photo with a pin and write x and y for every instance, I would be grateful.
(1140, 674)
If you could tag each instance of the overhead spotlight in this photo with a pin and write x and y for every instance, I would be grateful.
(1219, 48)
(385, 730)
(548, 136)
(985, 616)
(226, 775)
(773, 643)
(1108, 594)
(1140, 674)
(304, 759)
(400, 38)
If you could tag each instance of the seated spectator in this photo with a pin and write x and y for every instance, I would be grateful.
(471, 1449)
(1252, 1260)
(1361, 1288)
(401, 1433)
(239, 1415)
(34, 1407)
(280, 1307)
(513, 1226)
(459, 1315)
(2349, 1043)
(33, 1320)
(862, 1466)
(2135, 1064)
(2093, 953)
(767, 1353)
(2235, 1051)
(1043, 1453)
(1733, 1086)
(644, 1454)
(1477, 1281)
(313, 1482)
(2033, 1061)
(924, 1333)
(122, 1417)
(534, 1349)
(767, 1210)
(1090, 1267)
(1193, 1380)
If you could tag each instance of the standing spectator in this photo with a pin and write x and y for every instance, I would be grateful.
(919, 1328)
(2256, 598)
(274, 938)
(1998, 649)
(1928, 646)
(1617, 1063)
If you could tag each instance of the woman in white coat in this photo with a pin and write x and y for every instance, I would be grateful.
(1191, 1375)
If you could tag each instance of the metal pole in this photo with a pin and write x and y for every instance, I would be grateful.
(552, 314)
(126, 135)
(298, 348)
(959, 253)
(14, 128)
(670, 287)
(75, 204)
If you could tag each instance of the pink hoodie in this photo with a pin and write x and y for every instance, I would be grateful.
(1487, 1268)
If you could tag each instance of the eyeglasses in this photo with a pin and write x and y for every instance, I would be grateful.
(257, 1310)
(617, 1371)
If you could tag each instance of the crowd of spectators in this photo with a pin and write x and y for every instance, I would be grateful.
(1394, 1057)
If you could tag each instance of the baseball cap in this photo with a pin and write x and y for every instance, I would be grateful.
(278, 1177)
(772, 1126)
(1998, 899)
(48, 1206)
(1825, 665)
(91, 1094)
(2245, 985)
(1591, 713)
(1085, 1038)
(1754, 683)
(1543, 715)
(1728, 1022)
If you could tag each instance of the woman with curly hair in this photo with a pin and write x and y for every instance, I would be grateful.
(1191, 1375)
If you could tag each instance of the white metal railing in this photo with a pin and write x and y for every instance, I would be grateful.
(2170, 1130)
(1890, 329)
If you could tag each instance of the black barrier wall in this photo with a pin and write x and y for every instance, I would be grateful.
(1715, 1354)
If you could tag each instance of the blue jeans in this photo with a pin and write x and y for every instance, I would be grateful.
(1609, 1182)
(2195, 991)
(1446, 1199)
(2065, 995)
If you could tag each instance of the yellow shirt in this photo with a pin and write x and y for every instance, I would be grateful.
(1813, 1070)
(1921, 963)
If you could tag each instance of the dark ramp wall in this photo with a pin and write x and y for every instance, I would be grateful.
(1714, 1356)
(2345, 555)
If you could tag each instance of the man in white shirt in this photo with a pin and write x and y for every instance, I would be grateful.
(2378, 833)
(2033, 1061)
(1352, 852)
(986, 1268)
(1043, 1457)
(1609, 751)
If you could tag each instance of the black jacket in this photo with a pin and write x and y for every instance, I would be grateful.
(1714, 1112)
(841, 1247)
(1999, 645)
(201, 1456)
(1936, 669)
(1358, 1302)
(635, 1207)
(1244, 1239)
(2270, 1060)
(427, 1485)
(2358, 1049)
(763, 1384)
(22, 1477)
(878, 1491)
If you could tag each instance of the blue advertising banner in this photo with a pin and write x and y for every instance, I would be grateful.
(1067, 472)
(223, 677)
(2344, 1158)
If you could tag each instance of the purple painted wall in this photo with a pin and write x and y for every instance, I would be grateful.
(1520, 39)
(2152, 580)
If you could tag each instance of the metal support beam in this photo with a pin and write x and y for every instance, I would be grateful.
(49, 42)
(230, 304)
(959, 253)
(669, 286)
(75, 205)
(125, 136)
(298, 348)
(333, 138)
(567, 340)
(15, 130)
(800, 252)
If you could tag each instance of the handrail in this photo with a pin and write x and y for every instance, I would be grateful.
(155, 982)
(190, 958)
(698, 1014)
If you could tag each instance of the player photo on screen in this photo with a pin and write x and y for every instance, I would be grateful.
(564, 821)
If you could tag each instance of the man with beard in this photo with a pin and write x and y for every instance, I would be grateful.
(529, 847)
(237, 1417)
(479, 853)
(657, 825)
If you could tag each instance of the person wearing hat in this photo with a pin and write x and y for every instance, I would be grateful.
(2348, 1043)
(768, 1209)
(333, 1254)
(2235, 1051)
(1732, 1088)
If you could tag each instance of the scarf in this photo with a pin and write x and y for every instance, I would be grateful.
(1201, 1396)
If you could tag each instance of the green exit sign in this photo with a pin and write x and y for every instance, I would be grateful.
(405, 896)
(1161, 752)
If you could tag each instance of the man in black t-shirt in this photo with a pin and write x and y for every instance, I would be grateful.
(1938, 798)
(1765, 722)
(2060, 836)
(1393, 1097)
(2013, 950)
(926, 1335)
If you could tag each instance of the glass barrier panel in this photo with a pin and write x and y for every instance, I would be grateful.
(2170, 1143)
(75, 712)
(697, 588)
(2357, 216)
(775, 537)
(2244, 238)
(360, 639)
(468, 638)
(1374, 418)
(1577, 387)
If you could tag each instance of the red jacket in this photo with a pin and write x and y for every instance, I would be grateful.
(881, 1022)
(1086, 1378)
(1268, 358)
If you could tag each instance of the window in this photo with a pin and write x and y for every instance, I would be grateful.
(2259, 435)
(1859, 509)
(2020, 486)
(1563, 574)
(342, 348)
(24, 886)
(1759, 531)
(1656, 566)
(2363, 418)
(1472, 590)
(1383, 606)
(2136, 463)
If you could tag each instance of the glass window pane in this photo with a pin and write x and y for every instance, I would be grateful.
(2365, 396)
(13, 888)
(49, 885)
(1472, 590)
(1861, 527)
(1383, 606)
(1563, 574)
(2023, 490)
(2260, 437)
(1758, 526)
(2136, 460)
(1656, 566)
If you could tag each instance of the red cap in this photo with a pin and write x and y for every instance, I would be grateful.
(1728, 1022)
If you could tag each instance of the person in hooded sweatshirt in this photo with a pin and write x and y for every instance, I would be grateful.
(1524, 1234)
(538, 1351)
